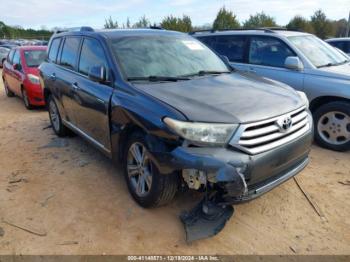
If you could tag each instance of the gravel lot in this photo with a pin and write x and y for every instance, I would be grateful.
(74, 201)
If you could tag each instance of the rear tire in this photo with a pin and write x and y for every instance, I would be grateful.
(8, 92)
(55, 118)
(26, 99)
(146, 184)
(332, 125)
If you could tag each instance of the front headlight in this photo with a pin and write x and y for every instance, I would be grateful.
(33, 79)
(304, 98)
(202, 133)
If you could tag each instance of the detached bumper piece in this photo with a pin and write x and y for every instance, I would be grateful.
(205, 220)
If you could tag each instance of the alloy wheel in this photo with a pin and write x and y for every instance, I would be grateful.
(334, 127)
(6, 89)
(54, 115)
(25, 98)
(139, 169)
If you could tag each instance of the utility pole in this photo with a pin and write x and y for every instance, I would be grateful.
(348, 27)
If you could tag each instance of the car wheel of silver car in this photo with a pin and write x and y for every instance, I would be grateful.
(8, 92)
(332, 126)
(148, 187)
(55, 118)
(26, 99)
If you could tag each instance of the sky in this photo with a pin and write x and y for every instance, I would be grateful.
(65, 13)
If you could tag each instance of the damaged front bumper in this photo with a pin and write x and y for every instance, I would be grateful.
(242, 177)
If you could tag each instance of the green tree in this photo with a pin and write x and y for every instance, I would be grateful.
(299, 23)
(4, 30)
(142, 23)
(225, 19)
(339, 27)
(110, 24)
(321, 24)
(183, 24)
(259, 20)
(128, 24)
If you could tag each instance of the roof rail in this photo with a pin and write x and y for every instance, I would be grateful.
(265, 29)
(75, 29)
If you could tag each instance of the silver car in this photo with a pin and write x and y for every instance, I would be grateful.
(300, 60)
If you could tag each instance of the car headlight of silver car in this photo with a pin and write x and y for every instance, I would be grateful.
(304, 98)
(202, 133)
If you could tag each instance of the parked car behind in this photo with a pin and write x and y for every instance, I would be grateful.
(3, 54)
(20, 74)
(170, 110)
(302, 61)
(341, 43)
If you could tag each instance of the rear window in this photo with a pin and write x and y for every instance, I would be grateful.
(33, 58)
(55, 44)
(70, 52)
(231, 46)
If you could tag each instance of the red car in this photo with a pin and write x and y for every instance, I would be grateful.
(21, 75)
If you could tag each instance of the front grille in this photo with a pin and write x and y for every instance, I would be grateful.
(262, 136)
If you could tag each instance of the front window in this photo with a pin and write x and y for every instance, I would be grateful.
(318, 52)
(268, 51)
(34, 58)
(170, 56)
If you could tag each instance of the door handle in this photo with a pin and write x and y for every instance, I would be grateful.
(251, 70)
(53, 77)
(75, 86)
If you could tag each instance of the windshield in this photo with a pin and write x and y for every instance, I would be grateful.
(170, 56)
(34, 58)
(317, 51)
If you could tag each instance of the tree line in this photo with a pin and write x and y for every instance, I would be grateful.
(317, 24)
(15, 32)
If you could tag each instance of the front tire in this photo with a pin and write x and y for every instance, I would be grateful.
(146, 184)
(26, 99)
(55, 118)
(332, 125)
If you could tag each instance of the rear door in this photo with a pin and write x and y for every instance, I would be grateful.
(65, 76)
(92, 98)
(266, 58)
(7, 69)
(234, 47)
(18, 74)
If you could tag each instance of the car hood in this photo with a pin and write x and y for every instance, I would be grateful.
(227, 98)
(340, 71)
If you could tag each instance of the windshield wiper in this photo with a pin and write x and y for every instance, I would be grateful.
(333, 64)
(157, 78)
(207, 72)
(326, 65)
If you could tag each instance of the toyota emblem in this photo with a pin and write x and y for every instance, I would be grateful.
(284, 123)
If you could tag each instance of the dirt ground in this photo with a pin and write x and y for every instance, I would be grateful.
(68, 192)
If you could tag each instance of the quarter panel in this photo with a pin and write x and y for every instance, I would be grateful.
(318, 86)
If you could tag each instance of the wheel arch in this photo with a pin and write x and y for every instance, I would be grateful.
(47, 93)
(319, 101)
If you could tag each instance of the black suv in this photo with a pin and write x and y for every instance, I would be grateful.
(175, 114)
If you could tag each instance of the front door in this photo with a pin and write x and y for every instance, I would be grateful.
(266, 58)
(92, 98)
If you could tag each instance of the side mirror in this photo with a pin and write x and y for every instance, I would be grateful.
(226, 61)
(293, 63)
(98, 74)
(17, 67)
